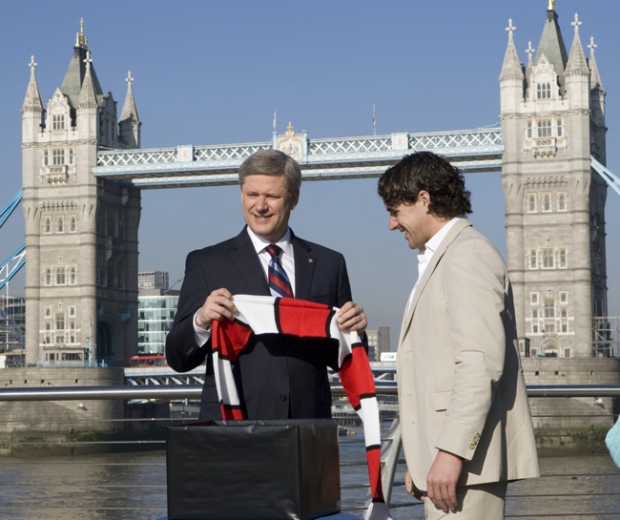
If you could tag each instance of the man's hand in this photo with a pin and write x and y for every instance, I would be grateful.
(442, 478)
(411, 487)
(217, 306)
(351, 317)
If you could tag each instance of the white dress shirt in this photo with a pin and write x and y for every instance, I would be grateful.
(426, 252)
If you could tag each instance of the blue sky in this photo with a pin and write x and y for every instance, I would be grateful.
(213, 72)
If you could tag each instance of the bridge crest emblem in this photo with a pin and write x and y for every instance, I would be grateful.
(291, 143)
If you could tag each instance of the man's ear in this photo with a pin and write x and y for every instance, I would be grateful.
(294, 199)
(425, 197)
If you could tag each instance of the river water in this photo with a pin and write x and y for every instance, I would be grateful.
(132, 486)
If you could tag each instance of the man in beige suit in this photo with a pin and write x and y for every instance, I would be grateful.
(465, 418)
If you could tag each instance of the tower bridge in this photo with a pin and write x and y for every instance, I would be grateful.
(84, 169)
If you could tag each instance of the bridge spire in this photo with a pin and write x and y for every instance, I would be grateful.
(72, 83)
(32, 101)
(88, 95)
(129, 122)
(577, 63)
(511, 68)
(595, 77)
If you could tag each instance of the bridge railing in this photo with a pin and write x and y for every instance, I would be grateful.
(533, 500)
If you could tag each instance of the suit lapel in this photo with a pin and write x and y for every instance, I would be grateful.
(305, 263)
(244, 258)
(430, 269)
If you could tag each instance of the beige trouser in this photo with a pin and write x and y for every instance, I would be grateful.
(481, 502)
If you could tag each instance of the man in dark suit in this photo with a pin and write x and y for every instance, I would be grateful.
(278, 376)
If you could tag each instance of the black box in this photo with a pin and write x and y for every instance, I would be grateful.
(253, 470)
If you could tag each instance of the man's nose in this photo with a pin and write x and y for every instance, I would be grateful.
(392, 223)
(261, 203)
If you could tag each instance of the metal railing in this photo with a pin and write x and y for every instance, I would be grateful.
(354, 493)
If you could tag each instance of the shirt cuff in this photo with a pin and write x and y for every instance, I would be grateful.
(200, 335)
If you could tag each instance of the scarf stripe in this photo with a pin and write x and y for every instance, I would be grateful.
(269, 315)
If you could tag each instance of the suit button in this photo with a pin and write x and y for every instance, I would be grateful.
(283, 397)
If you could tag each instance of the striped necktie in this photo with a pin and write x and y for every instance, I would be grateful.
(279, 284)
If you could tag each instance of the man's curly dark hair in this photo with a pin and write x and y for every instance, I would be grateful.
(426, 171)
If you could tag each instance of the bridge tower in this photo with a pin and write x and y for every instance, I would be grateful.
(81, 232)
(553, 120)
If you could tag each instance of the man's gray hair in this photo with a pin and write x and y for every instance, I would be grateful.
(272, 162)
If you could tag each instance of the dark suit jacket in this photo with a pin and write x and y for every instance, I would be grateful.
(278, 376)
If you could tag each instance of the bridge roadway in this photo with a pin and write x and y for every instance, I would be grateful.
(161, 376)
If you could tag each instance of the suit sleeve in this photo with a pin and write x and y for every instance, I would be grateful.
(344, 287)
(475, 287)
(182, 352)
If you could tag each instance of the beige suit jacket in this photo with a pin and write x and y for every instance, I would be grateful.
(460, 381)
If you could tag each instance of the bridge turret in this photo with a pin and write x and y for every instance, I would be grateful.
(597, 107)
(33, 112)
(511, 78)
(577, 74)
(88, 108)
(512, 90)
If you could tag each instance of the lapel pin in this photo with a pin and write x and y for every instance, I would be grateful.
(310, 260)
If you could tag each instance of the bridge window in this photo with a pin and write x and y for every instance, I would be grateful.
(533, 259)
(561, 201)
(564, 321)
(61, 225)
(70, 155)
(48, 312)
(562, 258)
(546, 204)
(549, 308)
(531, 203)
(58, 156)
(60, 276)
(72, 311)
(559, 129)
(529, 129)
(72, 332)
(47, 225)
(534, 298)
(543, 90)
(58, 122)
(544, 127)
(563, 297)
(46, 158)
(547, 258)
(72, 276)
(72, 224)
(60, 321)
(48, 276)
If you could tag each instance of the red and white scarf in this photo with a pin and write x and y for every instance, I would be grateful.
(269, 315)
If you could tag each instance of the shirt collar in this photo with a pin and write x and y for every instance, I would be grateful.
(432, 245)
(260, 243)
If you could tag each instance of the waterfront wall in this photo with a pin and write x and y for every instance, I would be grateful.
(579, 423)
(45, 418)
